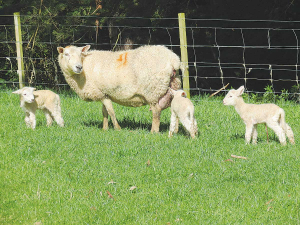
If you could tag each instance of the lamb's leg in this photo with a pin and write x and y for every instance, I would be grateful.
(176, 125)
(110, 110)
(278, 131)
(188, 125)
(58, 118)
(156, 111)
(48, 117)
(195, 128)
(32, 120)
(254, 134)
(248, 134)
(173, 123)
(289, 133)
(27, 120)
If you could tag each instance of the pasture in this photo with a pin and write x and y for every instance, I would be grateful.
(81, 174)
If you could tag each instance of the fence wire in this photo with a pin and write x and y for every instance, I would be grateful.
(256, 53)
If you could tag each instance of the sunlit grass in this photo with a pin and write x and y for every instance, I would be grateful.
(63, 175)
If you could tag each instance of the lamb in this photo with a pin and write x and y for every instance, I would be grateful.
(130, 78)
(182, 108)
(47, 101)
(253, 114)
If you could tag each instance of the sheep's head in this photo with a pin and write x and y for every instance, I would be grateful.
(233, 95)
(70, 58)
(26, 94)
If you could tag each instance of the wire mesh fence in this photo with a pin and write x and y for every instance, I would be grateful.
(256, 54)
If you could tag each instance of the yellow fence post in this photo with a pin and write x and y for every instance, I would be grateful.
(184, 53)
(19, 49)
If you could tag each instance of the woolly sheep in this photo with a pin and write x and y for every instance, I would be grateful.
(130, 78)
(182, 108)
(253, 114)
(47, 101)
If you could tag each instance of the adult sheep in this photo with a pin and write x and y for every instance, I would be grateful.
(131, 78)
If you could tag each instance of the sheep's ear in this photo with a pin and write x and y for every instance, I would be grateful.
(240, 91)
(183, 94)
(60, 50)
(85, 49)
(18, 92)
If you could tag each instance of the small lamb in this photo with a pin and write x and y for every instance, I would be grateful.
(253, 114)
(48, 101)
(182, 108)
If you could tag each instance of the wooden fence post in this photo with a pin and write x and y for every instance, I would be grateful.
(184, 53)
(19, 49)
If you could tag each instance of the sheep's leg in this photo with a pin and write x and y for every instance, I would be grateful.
(254, 134)
(278, 131)
(105, 118)
(248, 134)
(156, 111)
(173, 123)
(110, 110)
(48, 117)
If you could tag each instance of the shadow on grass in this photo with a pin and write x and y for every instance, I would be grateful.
(272, 138)
(127, 123)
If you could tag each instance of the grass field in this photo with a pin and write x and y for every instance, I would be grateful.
(63, 175)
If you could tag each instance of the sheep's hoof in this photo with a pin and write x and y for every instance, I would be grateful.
(118, 128)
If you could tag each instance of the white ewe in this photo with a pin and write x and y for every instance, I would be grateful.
(253, 114)
(182, 108)
(47, 101)
(130, 78)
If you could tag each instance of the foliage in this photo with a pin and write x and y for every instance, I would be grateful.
(63, 175)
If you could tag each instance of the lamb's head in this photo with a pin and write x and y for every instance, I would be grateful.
(233, 95)
(70, 58)
(178, 93)
(26, 94)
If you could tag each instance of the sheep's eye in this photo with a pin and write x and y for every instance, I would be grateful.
(67, 54)
(25, 94)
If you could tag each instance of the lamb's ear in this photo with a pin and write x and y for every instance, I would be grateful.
(240, 91)
(18, 92)
(85, 49)
(60, 50)
(183, 94)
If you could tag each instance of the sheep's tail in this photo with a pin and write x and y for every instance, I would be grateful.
(287, 129)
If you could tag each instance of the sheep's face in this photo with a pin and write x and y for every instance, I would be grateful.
(71, 58)
(26, 94)
(232, 96)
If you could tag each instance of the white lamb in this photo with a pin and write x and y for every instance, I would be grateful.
(183, 109)
(131, 78)
(47, 101)
(253, 114)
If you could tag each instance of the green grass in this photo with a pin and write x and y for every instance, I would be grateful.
(61, 175)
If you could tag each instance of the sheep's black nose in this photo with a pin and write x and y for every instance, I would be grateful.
(79, 67)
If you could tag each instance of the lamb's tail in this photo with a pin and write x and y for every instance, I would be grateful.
(287, 129)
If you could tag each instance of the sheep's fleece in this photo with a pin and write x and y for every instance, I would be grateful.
(131, 78)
